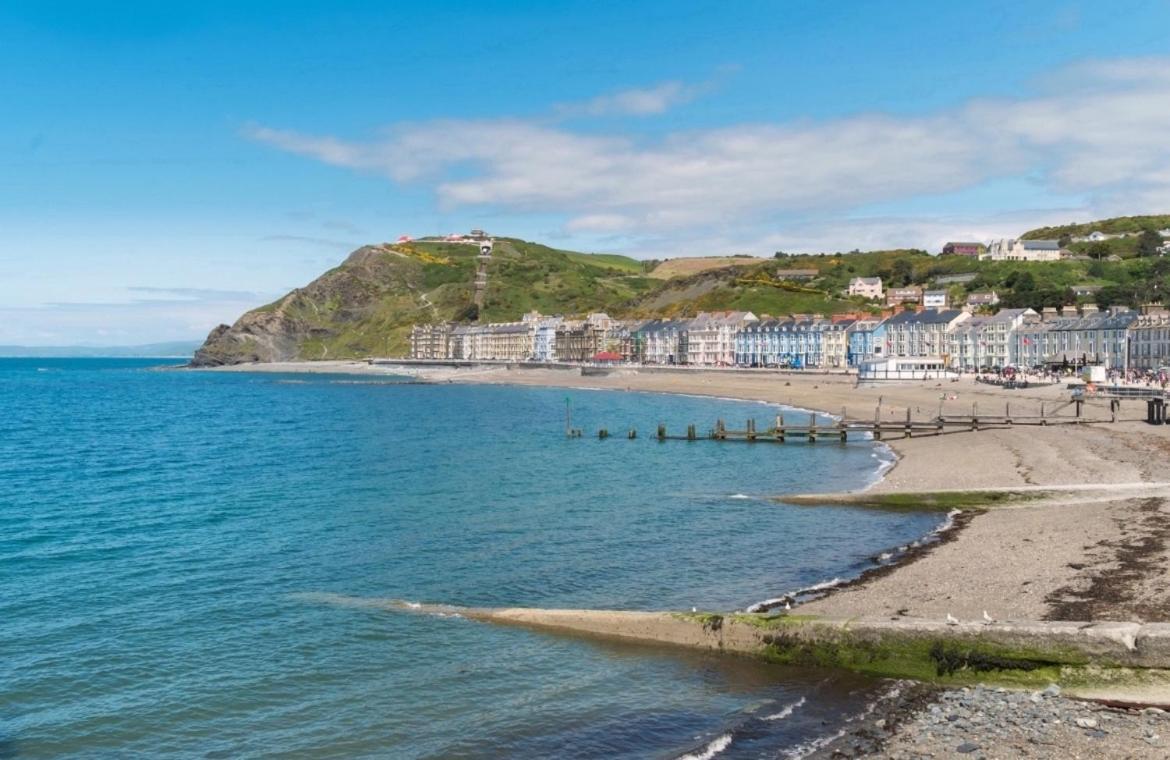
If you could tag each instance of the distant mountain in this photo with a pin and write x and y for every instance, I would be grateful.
(175, 349)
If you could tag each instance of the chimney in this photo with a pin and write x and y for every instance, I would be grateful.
(1089, 308)
(1049, 312)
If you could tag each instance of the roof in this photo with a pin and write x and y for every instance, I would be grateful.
(944, 316)
(935, 293)
(953, 278)
(867, 280)
(1041, 245)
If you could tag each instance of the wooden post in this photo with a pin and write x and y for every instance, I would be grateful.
(1079, 402)
(632, 434)
(975, 416)
(751, 429)
(780, 428)
(812, 428)
(1007, 411)
(603, 433)
(568, 418)
(720, 430)
(690, 432)
(1043, 416)
(909, 424)
(661, 432)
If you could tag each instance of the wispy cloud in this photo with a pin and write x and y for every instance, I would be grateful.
(1096, 130)
(649, 101)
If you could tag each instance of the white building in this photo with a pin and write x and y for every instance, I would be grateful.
(866, 287)
(711, 337)
(987, 341)
(935, 299)
(902, 368)
(923, 333)
(1022, 250)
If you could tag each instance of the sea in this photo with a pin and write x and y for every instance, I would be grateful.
(190, 565)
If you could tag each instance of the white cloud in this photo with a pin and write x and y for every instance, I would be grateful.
(649, 101)
(1097, 130)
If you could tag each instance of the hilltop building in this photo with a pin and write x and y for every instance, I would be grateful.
(935, 299)
(1022, 250)
(980, 300)
(899, 296)
(866, 287)
(963, 249)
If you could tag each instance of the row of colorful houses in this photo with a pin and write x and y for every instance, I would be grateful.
(957, 339)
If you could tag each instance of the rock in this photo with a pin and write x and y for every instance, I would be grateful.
(967, 748)
(1052, 691)
(1086, 723)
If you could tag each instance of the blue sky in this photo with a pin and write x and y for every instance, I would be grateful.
(165, 166)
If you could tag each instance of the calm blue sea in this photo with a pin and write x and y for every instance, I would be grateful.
(169, 542)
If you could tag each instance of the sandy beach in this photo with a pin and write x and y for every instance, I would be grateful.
(1092, 545)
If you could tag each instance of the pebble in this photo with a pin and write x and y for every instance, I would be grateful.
(1086, 723)
(967, 748)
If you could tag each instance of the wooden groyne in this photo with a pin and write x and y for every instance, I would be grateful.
(879, 427)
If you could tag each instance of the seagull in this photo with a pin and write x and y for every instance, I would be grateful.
(787, 606)
(694, 609)
(952, 620)
(987, 619)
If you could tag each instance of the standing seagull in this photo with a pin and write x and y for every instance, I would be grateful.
(952, 620)
(987, 619)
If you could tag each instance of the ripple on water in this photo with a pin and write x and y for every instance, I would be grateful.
(182, 552)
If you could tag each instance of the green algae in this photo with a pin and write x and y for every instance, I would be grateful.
(924, 501)
(770, 622)
(927, 658)
(710, 621)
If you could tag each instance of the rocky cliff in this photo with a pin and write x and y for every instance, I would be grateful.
(366, 305)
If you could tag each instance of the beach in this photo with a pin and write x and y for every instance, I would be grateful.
(1089, 544)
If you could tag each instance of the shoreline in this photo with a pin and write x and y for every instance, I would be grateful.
(1062, 459)
(1084, 551)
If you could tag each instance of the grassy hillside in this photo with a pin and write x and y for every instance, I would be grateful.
(1121, 224)
(366, 305)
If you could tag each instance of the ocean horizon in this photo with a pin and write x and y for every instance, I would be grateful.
(195, 562)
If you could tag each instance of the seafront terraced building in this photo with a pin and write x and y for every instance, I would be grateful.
(1118, 339)
(1093, 338)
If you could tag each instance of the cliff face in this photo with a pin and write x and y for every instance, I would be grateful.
(366, 306)
(333, 316)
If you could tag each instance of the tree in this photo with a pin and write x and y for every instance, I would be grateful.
(1148, 243)
(1100, 250)
(1095, 269)
(902, 272)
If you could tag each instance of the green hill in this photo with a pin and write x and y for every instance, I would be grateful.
(366, 305)
(1132, 225)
